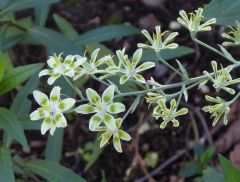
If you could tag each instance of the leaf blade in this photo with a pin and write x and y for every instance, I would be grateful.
(6, 168)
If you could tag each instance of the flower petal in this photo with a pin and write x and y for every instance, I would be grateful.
(53, 129)
(105, 138)
(108, 94)
(137, 56)
(116, 107)
(117, 144)
(86, 109)
(123, 79)
(94, 56)
(145, 66)
(79, 60)
(93, 96)
(95, 121)
(52, 79)
(139, 78)
(69, 73)
(52, 63)
(124, 135)
(66, 104)
(36, 115)
(60, 120)
(109, 121)
(55, 94)
(43, 72)
(46, 125)
(41, 98)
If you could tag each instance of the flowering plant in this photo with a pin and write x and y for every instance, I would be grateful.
(106, 108)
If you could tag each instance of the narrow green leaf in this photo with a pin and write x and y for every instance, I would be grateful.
(65, 27)
(54, 146)
(6, 166)
(226, 53)
(27, 123)
(11, 41)
(51, 170)
(212, 175)
(150, 55)
(2, 68)
(190, 169)
(107, 33)
(18, 5)
(3, 3)
(226, 12)
(231, 173)
(12, 127)
(183, 70)
(53, 41)
(41, 12)
(21, 103)
(17, 76)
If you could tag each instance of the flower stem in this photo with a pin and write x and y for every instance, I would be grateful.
(79, 92)
(211, 48)
(234, 99)
(101, 81)
(168, 65)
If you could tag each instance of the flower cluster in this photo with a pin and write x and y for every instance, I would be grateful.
(74, 66)
(219, 110)
(159, 40)
(221, 79)
(192, 21)
(233, 35)
(51, 110)
(162, 111)
(105, 110)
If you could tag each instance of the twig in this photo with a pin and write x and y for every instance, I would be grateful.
(138, 160)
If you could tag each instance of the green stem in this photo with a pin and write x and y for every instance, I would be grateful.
(13, 24)
(101, 81)
(130, 108)
(234, 99)
(179, 97)
(211, 48)
(168, 65)
(79, 92)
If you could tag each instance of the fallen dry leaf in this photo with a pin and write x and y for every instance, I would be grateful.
(235, 155)
(232, 136)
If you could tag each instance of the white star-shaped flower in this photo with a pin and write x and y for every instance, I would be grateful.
(51, 110)
(59, 67)
(103, 107)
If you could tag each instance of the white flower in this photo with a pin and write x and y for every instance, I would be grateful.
(117, 134)
(103, 107)
(129, 68)
(51, 110)
(159, 40)
(91, 67)
(60, 67)
(193, 21)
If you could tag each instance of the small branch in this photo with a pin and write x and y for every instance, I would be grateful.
(167, 64)
(79, 92)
